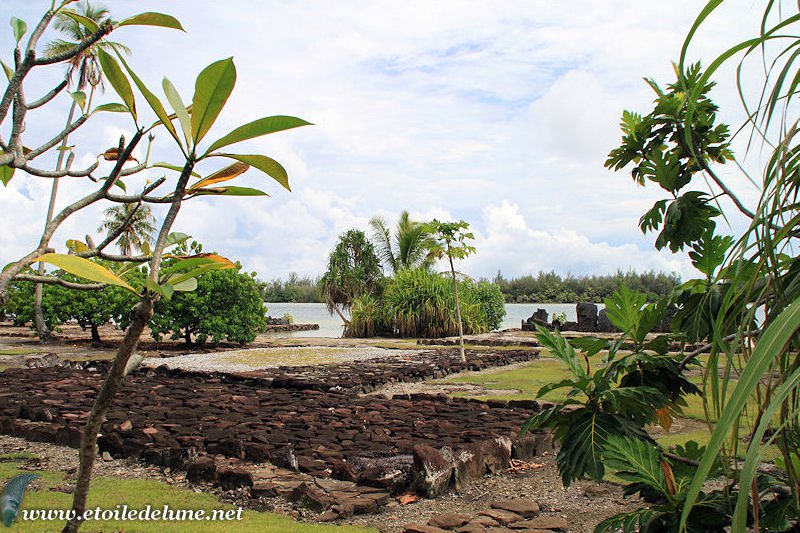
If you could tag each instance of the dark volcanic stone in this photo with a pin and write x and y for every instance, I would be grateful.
(432, 471)
(202, 470)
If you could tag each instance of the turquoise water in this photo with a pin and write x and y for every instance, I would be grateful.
(331, 326)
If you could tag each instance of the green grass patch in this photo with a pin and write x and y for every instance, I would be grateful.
(108, 493)
(527, 380)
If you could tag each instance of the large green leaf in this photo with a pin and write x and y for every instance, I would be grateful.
(117, 79)
(770, 345)
(152, 99)
(228, 191)
(709, 252)
(169, 166)
(12, 497)
(6, 173)
(19, 27)
(85, 269)
(8, 70)
(112, 107)
(179, 107)
(211, 90)
(152, 19)
(90, 25)
(80, 99)
(624, 308)
(636, 461)
(582, 446)
(224, 174)
(165, 290)
(257, 128)
(265, 164)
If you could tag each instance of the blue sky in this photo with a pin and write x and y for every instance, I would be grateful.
(497, 113)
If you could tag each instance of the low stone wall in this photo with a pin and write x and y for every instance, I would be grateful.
(366, 376)
(198, 422)
(290, 327)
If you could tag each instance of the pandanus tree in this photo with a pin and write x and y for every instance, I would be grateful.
(353, 270)
(197, 174)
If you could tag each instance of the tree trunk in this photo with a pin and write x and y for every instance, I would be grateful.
(142, 313)
(38, 314)
(187, 337)
(95, 334)
(458, 308)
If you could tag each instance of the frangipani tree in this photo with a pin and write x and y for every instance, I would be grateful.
(187, 125)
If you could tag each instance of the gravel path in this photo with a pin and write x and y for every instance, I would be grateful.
(262, 358)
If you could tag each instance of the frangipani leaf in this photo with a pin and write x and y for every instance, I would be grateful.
(90, 25)
(180, 109)
(152, 99)
(117, 80)
(177, 237)
(228, 191)
(186, 286)
(76, 246)
(19, 27)
(8, 70)
(152, 19)
(85, 269)
(112, 107)
(225, 174)
(265, 164)
(169, 166)
(257, 128)
(80, 99)
(164, 291)
(212, 89)
(6, 173)
(12, 497)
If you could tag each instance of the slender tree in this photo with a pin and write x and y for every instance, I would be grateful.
(135, 224)
(408, 247)
(452, 238)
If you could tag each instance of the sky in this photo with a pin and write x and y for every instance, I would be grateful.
(498, 113)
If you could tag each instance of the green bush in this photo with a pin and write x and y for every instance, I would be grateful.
(225, 306)
(419, 303)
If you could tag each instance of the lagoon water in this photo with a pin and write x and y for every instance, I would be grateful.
(331, 326)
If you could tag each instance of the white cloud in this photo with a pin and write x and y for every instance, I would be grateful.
(501, 116)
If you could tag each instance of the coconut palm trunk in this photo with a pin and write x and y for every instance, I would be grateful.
(38, 314)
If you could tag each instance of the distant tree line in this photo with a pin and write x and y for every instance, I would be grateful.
(295, 289)
(549, 287)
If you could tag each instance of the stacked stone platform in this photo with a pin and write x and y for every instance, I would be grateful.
(243, 431)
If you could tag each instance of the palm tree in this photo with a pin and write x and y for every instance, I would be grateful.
(408, 247)
(353, 270)
(84, 70)
(139, 226)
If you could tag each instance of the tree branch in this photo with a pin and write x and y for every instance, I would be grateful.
(55, 174)
(101, 32)
(53, 280)
(49, 96)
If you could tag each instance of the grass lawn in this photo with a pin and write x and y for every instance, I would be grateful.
(107, 493)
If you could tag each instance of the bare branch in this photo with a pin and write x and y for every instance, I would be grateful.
(49, 96)
(33, 154)
(66, 172)
(53, 280)
(104, 30)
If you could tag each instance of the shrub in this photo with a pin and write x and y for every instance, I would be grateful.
(419, 303)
